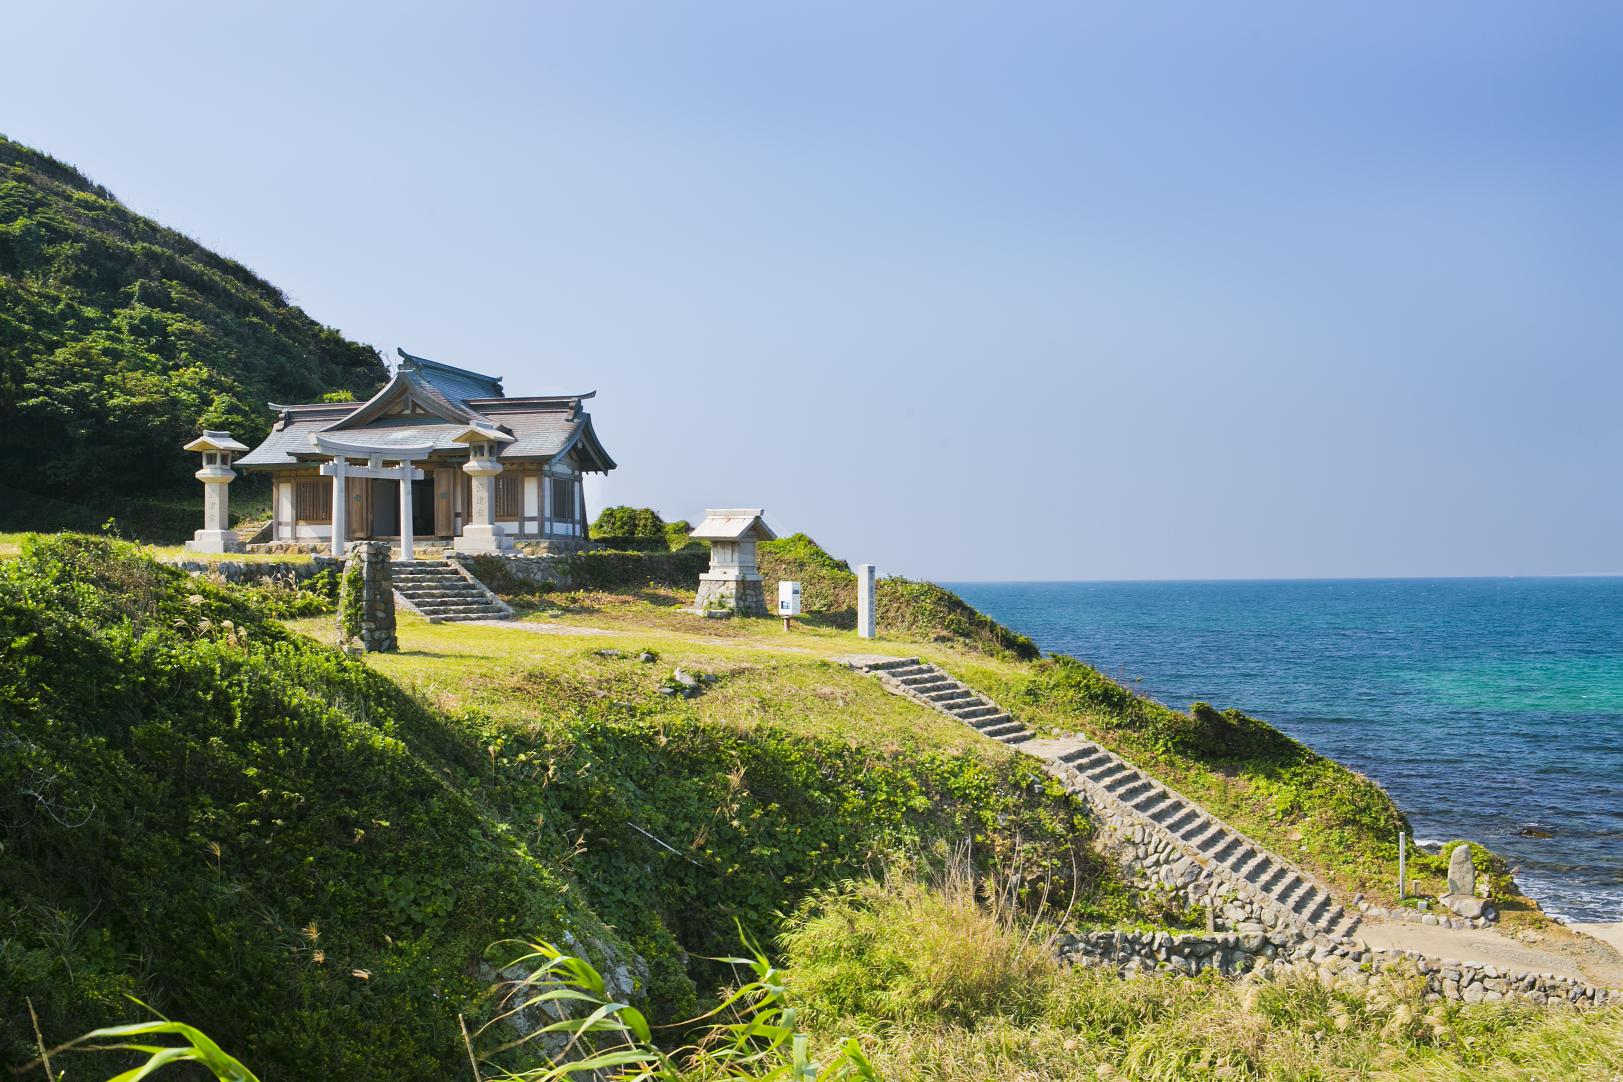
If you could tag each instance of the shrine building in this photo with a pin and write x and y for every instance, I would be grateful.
(440, 454)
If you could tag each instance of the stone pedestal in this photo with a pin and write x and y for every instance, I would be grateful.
(481, 534)
(366, 621)
(216, 534)
(741, 594)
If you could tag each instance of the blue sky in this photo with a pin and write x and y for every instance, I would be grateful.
(998, 291)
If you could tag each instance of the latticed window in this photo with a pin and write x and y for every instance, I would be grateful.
(509, 495)
(312, 499)
(563, 499)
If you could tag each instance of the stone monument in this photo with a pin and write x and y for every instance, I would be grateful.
(218, 449)
(1461, 896)
(865, 601)
(733, 583)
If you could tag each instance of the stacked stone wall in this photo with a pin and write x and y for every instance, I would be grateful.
(367, 622)
(1158, 862)
(252, 571)
(1279, 953)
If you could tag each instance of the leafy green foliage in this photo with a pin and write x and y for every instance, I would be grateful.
(604, 569)
(351, 602)
(752, 1034)
(256, 833)
(631, 528)
(197, 1048)
(120, 339)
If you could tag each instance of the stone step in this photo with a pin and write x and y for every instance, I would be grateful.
(434, 608)
(456, 617)
(952, 693)
(921, 678)
(978, 709)
(1134, 789)
(1224, 846)
(990, 721)
(1152, 802)
(891, 666)
(1183, 820)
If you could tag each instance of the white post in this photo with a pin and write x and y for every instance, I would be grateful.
(1403, 865)
(865, 608)
(405, 511)
(340, 507)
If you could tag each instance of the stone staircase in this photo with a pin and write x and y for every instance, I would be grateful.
(1223, 851)
(927, 684)
(439, 591)
(1172, 835)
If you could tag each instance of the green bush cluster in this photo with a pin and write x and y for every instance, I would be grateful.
(606, 569)
(240, 824)
(119, 339)
(631, 528)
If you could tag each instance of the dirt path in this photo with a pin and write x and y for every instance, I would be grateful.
(1555, 950)
(543, 629)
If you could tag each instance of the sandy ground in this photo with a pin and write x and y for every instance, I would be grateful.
(1606, 933)
(1556, 949)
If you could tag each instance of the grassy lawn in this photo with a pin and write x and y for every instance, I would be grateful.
(1303, 807)
(586, 657)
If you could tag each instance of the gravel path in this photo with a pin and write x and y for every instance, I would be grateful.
(1558, 950)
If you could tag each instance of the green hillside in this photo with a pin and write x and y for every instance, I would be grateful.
(119, 339)
(309, 860)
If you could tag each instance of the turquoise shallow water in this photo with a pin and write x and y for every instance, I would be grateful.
(1484, 706)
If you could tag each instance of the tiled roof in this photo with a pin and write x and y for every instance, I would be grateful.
(542, 427)
(457, 384)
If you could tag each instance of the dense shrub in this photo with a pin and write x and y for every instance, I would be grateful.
(604, 569)
(242, 825)
(631, 528)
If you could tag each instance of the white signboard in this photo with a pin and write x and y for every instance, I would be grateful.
(788, 599)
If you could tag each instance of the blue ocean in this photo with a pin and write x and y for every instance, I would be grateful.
(1486, 707)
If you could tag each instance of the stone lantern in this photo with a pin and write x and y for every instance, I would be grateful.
(217, 449)
(480, 532)
(733, 581)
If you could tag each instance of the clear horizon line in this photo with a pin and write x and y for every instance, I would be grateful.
(1303, 578)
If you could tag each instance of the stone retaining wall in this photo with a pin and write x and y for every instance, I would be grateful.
(251, 571)
(1441, 918)
(1278, 953)
(1157, 861)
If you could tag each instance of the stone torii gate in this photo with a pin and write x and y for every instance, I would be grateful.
(339, 469)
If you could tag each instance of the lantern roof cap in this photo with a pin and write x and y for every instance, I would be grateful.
(211, 440)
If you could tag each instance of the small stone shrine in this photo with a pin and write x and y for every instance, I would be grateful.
(366, 600)
(733, 582)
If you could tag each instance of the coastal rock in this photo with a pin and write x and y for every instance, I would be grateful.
(1461, 874)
